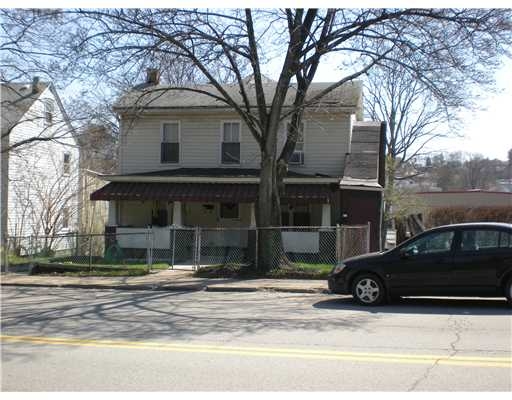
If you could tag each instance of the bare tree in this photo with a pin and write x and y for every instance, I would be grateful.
(415, 116)
(45, 202)
(228, 45)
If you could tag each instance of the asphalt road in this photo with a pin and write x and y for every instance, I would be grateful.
(100, 340)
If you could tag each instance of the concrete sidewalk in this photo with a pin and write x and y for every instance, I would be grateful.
(168, 280)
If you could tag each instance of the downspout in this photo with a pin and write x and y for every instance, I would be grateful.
(382, 182)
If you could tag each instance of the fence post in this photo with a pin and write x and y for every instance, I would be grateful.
(5, 252)
(338, 244)
(368, 237)
(148, 249)
(173, 245)
(198, 248)
(256, 248)
(90, 253)
(152, 245)
(31, 248)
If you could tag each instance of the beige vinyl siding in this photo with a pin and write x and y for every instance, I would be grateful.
(325, 144)
(200, 141)
(326, 140)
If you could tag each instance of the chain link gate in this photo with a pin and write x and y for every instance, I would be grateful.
(226, 247)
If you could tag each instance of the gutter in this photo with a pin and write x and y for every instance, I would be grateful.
(203, 179)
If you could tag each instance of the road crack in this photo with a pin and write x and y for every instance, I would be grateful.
(457, 328)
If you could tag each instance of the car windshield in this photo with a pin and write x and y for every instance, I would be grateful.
(432, 243)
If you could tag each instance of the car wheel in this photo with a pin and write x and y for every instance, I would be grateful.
(368, 290)
(508, 292)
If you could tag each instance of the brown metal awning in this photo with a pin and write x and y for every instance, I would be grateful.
(207, 192)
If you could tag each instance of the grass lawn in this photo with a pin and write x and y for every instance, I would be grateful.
(79, 266)
(295, 271)
(18, 260)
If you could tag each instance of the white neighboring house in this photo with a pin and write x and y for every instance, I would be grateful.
(40, 178)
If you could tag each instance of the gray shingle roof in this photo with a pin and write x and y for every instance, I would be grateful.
(16, 99)
(363, 161)
(348, 95)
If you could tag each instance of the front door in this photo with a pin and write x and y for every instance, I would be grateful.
(424, 266)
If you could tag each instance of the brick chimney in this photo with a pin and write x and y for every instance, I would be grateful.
(152, 76)
(35, 83)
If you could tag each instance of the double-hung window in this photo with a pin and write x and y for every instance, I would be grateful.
(297, 157)
(66, 164)
(170, 147)
(49, 108)
(230, 147)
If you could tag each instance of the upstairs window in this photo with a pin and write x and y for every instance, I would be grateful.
(66, 164)
(297, 157)
(230, 148)
(170, 147)
(49, 109)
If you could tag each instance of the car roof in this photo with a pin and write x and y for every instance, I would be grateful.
(475, 225)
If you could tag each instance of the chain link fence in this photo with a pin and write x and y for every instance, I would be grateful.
(227, 247)
(306, 249)
(299, 248)
(92, 251)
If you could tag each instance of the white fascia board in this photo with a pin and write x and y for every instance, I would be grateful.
(367, 188)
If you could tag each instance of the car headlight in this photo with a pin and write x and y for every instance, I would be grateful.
(340, 267)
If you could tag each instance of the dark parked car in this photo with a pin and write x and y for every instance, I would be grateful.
(473, 259)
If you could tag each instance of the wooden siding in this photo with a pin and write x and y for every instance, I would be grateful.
(326, 142)
(36, 167)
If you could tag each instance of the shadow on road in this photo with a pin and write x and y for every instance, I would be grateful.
(148, 315)
(423, 305)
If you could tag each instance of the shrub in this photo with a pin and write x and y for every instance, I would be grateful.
(455, 215)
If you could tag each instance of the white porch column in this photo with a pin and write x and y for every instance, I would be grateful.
(112, 213)
(176, 213)
(253, 216)
(326, 215)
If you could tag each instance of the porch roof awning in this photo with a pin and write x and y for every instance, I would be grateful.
(207, 192)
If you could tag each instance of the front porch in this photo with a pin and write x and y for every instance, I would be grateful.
(224, 227)
(220, 215)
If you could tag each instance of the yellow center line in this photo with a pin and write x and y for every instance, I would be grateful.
(467, 361)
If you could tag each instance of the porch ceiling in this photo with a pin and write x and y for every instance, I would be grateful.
(208, 192)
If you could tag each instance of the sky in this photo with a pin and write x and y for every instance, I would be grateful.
(486, 131)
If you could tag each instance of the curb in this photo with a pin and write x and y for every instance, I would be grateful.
(189, 288)
(264, 289)
(112, 287)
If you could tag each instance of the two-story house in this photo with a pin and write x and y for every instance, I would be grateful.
(188, 160)
(39, 160)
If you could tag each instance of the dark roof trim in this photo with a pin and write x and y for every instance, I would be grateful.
(208, 192)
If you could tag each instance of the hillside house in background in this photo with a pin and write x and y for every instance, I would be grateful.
(39, 160)
(187, 160)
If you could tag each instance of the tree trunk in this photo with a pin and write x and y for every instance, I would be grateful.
(268, 215)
